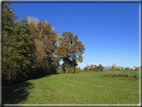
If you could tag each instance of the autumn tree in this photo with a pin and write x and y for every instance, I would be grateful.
(45, 45)
(69, 49)
(126, 68)
(91, 67)
(94, 66)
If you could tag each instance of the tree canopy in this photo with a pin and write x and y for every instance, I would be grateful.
(30, 48)
(70, 49)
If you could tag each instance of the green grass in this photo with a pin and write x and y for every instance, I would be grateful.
(79, 88)
(132, 75)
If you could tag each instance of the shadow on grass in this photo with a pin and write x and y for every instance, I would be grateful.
(18, 93)
(14, 94)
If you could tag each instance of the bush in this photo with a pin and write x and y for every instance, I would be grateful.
(114, 74)
(70, 70)
(58, 71)
(77, 70)
(134, 76)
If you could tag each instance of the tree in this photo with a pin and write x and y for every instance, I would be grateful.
(122, 68)
(118, 69)
(28, 47)
(126, 68)
(8, 17)
(16, 51)
(96, 69)
(94, 66)
(100, 67)
(91, 67)
(70, 49)
(86, 68)
(45, 45)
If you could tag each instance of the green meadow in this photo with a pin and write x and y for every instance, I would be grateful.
(107, 87)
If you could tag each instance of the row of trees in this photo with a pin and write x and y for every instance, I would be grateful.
(102, 68)
(126, 69)
(32, 48)
(94, 68)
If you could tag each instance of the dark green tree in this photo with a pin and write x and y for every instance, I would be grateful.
(8, 17)
(100, 67)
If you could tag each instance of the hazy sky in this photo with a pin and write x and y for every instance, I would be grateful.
(109, 31)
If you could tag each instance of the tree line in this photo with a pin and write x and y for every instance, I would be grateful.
(102, 68)
(32, 48)
(94, 68)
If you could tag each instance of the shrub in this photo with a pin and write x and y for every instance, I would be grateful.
(70, 70)
(59, 71)
(134, 76)
(77, 69)
(118, 74)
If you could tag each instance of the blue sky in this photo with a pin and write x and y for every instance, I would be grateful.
(109, 31)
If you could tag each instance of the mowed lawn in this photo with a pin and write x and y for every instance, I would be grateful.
(79, 88)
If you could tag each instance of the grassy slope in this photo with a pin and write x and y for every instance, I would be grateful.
(79, 88)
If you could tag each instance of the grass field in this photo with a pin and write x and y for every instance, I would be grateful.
(79, 88)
